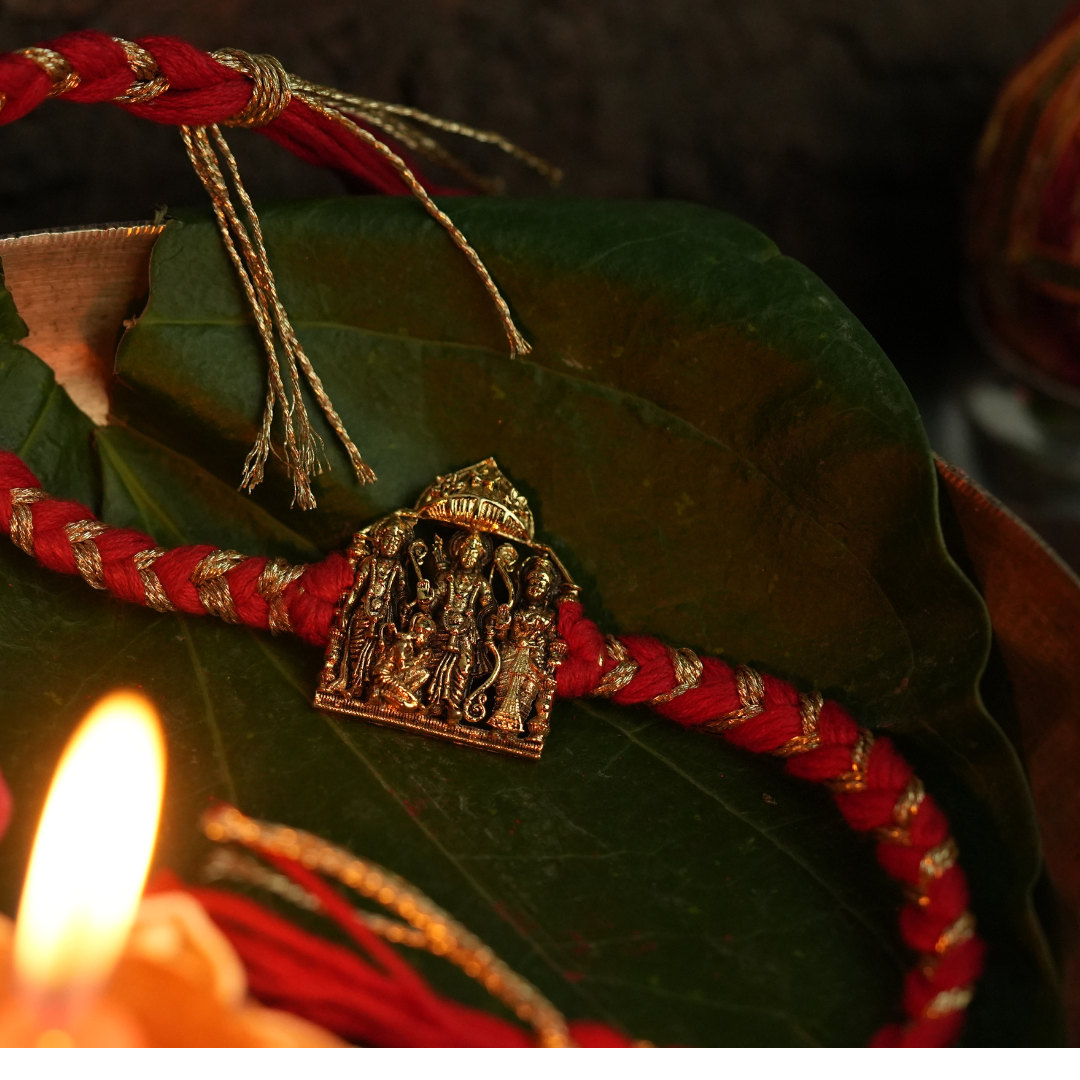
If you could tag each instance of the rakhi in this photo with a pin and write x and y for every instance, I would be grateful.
(428, 626)
(448, 619)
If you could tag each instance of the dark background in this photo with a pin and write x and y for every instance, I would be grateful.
(842, 128)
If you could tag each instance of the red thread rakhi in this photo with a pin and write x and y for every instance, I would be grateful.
(873, 786)
(520, 636)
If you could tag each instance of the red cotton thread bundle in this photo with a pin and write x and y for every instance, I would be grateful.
(870, 779)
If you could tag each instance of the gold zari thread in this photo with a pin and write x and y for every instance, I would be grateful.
(208, 577)
(21, 525)
(904, 812)
(855, 778)
(62, 75)
(270, 90)
(276, 577)
(938, 859)
(948, 1001)
(960, 931)
(688, 667)
(809, 711)
(444, 935)
(80, 535)
(152, 587)
(149, 81)
(620, 676)
(750, 687)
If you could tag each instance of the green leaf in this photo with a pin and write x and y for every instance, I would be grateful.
(721, 455)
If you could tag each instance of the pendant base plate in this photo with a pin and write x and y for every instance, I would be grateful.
(463, 733)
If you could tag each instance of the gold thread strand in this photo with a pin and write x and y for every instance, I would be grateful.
(948, 1001)
(285, 329)
(149, 81)
(751, 690)
(960, 931)
(687, 667)
(904, 812)
(21, 526)
(809, 711)
(208, 577)
(276, 577)
(618, 677)
(206, 166)
(307, 444)
(155, 593)
(518, 345)
(270, 91)
(80, 535)
(225, 864)
(938, 859)
(62, 75)
(445, 936)
(370, 108)
(855, 777)
(423, 144)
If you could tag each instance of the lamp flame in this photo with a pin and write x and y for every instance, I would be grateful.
(91, 853)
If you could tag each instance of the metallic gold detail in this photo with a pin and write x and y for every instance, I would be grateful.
(421, 918)
(270, 91)
(208, 577)
(155, 594)
(81, 535)
(276, 577)
(479, 497)
(751, 689)
(227, 864)
(907, 806)
(962, 930)
(149, 81)
(445, 632)
(518, 345)
(393, 119)
(21, 525)
(688, 668)
(948, 1001)
(62, 75)
(939, 859)
(855, 778)
(809, 710)
(247, 251)
(618, 677)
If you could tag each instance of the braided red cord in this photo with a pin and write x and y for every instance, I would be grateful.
(201, 92)
(870, 780)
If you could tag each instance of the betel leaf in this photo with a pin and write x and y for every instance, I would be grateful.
(720, 454)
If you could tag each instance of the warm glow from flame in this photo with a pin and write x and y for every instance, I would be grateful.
(92, 850)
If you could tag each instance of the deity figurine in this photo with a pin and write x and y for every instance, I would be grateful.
(373, 604)
(461, 601)
(399, 674)
(529, 653)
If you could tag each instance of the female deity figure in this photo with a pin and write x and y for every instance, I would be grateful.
(530, 654)
(461, 602)
(374, 602)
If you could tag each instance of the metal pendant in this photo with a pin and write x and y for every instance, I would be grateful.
(445, 631)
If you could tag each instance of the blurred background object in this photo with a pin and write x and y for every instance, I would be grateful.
(844, 130)
(1024, 251)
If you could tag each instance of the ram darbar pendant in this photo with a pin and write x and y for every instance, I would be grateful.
(445, 631)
